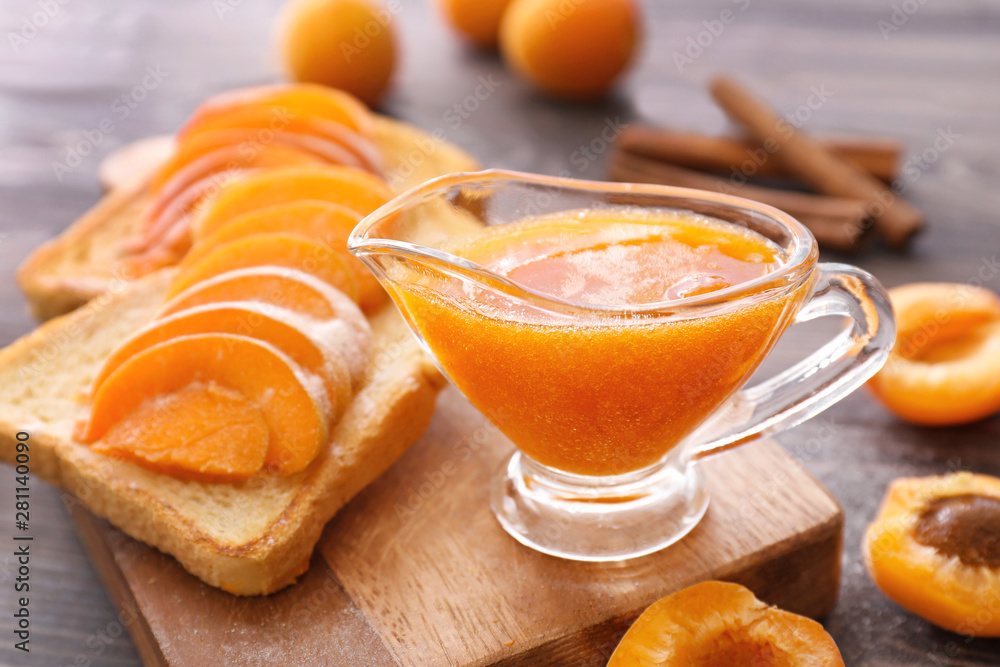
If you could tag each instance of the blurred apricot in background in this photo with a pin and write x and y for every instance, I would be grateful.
(346, 44)
(571, 49)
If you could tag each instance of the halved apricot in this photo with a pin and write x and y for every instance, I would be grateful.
(934, 549)
(325, 222)
(284, 329)
(945, 366)
(293, 290)
(353, 188)
(286, 101)
(201, 432)
(297, 427)
(718, 624)
(294, 252)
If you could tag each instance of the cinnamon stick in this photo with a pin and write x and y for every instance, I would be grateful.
(803, 156)
(837, 223)
(877, 155)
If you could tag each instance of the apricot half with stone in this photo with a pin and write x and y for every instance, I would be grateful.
(945, 366)
(934, 549)
(146, 396)
(718, 624)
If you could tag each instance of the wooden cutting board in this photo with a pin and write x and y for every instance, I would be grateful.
(416, 571)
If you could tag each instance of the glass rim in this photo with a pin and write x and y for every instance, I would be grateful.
(801, 255)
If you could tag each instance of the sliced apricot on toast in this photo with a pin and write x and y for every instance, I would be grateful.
(287, 101)
(293, 290)
(718, 624)
(353, 188)
(330, 224)
(284, 329)
(201, 432)
(288, 250)
(229, 159)
(297, 425)
(246, 141)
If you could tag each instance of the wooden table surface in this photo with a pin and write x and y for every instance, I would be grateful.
(916, 70)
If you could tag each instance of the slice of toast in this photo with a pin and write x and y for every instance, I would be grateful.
(250, 538)
(85, 260)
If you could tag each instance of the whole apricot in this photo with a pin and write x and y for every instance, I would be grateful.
(479, 20)
(718, 623)
(572, 49)
(346, 44)
(944, 368)
(934, 549)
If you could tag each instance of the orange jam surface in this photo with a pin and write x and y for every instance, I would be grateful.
(597, 395)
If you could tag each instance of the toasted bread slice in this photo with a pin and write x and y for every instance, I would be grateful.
(85, 260)
(251, 538)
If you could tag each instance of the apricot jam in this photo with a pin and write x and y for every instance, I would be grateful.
(589, 393)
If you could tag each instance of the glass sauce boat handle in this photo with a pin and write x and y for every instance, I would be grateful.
(821, 379)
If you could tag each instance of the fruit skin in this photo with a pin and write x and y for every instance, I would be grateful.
(945, 366)
(346, 44)
(478, 20)
(573, 50)
(719, 623)
(936, 587)
(260, 372)
(202, 432)
(288, 250)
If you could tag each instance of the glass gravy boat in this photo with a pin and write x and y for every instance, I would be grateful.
(611, 406)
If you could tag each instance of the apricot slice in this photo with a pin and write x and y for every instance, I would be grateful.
(297, 427)
(202, 432)
(247, 141)
(293, 290)
(353, 188)
(169, 232)
(945, 366)
(934, 549)
(718, 624)
(288, 250)
(262, 121)
(325, 222)
(284, 101)
(229, 159)
(294, 335)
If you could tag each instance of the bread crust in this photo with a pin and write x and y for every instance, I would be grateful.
(251, 538)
